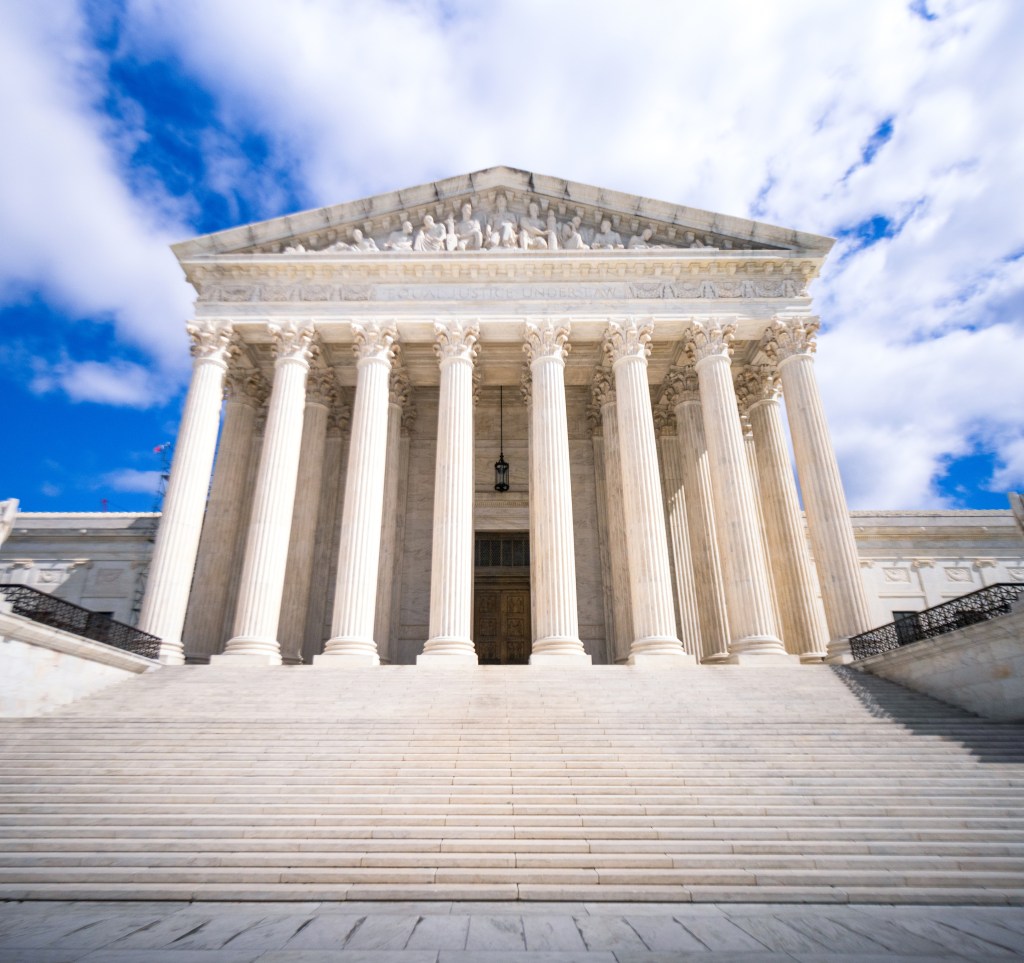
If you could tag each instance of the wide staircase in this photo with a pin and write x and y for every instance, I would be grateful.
(728, 783)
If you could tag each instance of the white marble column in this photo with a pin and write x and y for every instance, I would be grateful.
(321, 396)
(246, 391)
(261, 587)
(680, 552)
(627, 344)
(622, 613)
(552, 551)
(355, 597)
(754, 636)
(803, 628)
(451, 565)
(325, 557)
(683, 394)
(398, 400)
(790, 344)
(177, 540)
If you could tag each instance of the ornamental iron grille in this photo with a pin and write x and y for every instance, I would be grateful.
(47, 610)
(987, 603)
(502, 550)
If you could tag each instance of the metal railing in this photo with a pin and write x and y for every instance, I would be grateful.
(987, 603)
(46, 609)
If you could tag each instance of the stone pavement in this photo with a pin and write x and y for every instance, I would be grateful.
(446, 932)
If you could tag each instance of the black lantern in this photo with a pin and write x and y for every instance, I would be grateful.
(501, 466)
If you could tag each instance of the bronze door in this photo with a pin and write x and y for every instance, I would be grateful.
(501, 630)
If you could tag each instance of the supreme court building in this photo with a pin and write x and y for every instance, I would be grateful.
(504, 418)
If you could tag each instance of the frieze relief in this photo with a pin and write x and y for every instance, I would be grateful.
(688, 290)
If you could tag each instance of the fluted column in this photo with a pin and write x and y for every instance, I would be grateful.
(680, 553)
(398, 401)
(803, 629)
(177, 540)
(683, 394)
(318, 614)
(355, 597)
(451, 564)
(261, 587)
(552, 551)
(790, 344)
(321, 396)
(246, 390)
(755, 484)
(754, 636)
(619, 589)
(627, 344)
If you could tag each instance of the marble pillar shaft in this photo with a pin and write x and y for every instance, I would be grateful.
(177, 543)
(700, 517)
(261, 588)
(622, 608)
(305, 517)
(204, 624)
(828, 518)
(752, 624)
(389, 529)
(451, 570)
(799, 609)
(355, 597)
(680, 552)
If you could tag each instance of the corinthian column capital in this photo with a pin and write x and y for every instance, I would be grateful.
(211, 341)
(628, 338)
(293, 342)
(374, 342)
(602, 390)
(756, 384)
(709, 338)
(455, 341)
(322, 388)
(665, 416)
(790, 338)
(546, 339)
(681, 386)
(246, 386)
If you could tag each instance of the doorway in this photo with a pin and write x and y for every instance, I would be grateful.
(501, 598)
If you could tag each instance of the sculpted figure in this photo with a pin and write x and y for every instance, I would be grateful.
(501, 230)
(606, 238)
(400, 240)
(467, 233)
(642, 241)
(360, 243)
(295, 248)
(533, 232)
(690, 240)
(430, 237)
(572, 237)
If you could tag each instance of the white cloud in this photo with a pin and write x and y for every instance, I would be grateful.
(132, 480)
(118, 383)
(70, 227)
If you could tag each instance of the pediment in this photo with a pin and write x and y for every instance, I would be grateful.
(510, 211)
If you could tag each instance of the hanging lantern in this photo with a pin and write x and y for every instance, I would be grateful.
(501, 466)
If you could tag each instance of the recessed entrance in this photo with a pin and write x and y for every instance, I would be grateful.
(501, 598)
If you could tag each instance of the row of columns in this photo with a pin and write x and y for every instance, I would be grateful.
(725, 552)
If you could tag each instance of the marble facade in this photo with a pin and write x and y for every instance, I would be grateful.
(640, 351)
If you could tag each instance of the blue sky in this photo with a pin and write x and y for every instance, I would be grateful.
(896, 128)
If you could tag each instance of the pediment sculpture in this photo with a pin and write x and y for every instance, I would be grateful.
(502, 229)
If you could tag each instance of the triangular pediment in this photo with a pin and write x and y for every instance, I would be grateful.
(509, 210)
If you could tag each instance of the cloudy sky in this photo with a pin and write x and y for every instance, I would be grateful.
(896, 127)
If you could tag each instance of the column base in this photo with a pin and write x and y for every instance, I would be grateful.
(448, 652)
(342, 651)
(760, 650)
(238, 659)
(812, 658)
(171, 653)
(559, 650)
(659, 651)
(253, 649)
(839, 652)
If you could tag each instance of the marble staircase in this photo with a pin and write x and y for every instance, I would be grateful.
(781, 784)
